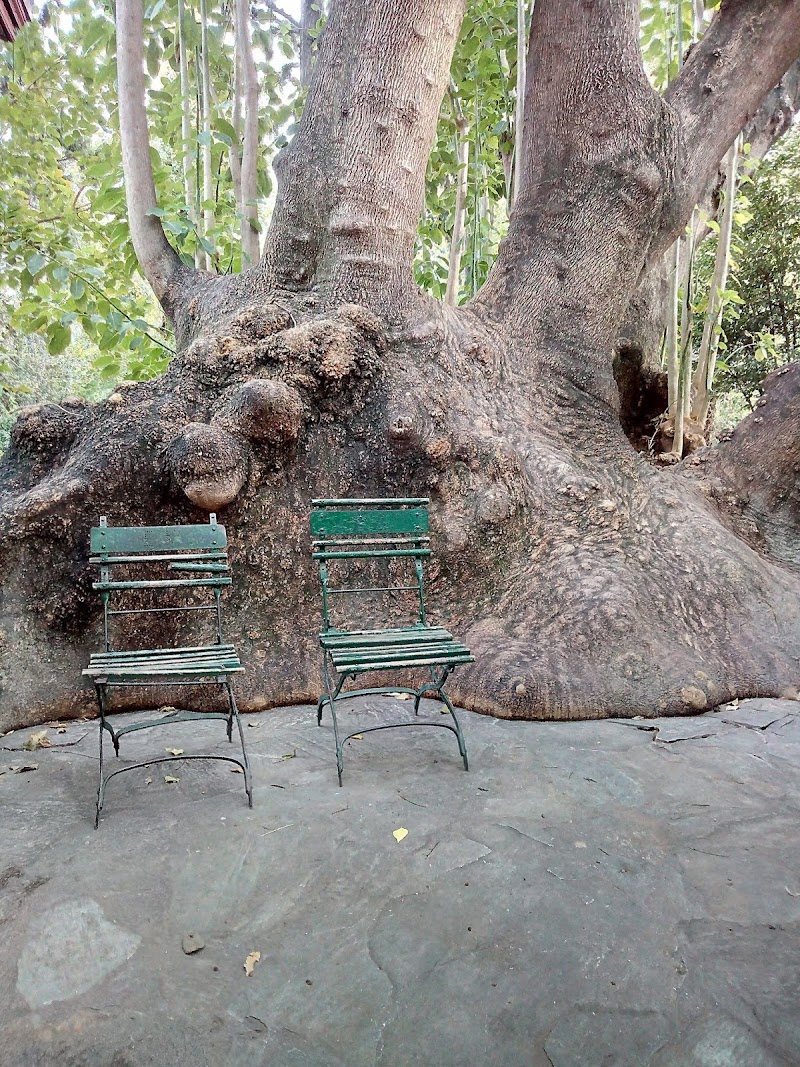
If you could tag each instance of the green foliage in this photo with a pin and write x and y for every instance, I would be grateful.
(761, 318)
(483, 89)
(65, 252)
(29, 374)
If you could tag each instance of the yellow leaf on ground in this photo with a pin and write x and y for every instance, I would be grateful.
(401, 696)
(175, 751)
(170, 779)
(287, 755)
(250, 962)
(399, 833)
(37, 740)
(357, 737)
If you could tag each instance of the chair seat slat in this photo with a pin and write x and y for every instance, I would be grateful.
(419, 635)
(380, 665)
(387, 501)
(174, 583)
(360, 541)
(110, 561)
(127, 653)
(366, 553)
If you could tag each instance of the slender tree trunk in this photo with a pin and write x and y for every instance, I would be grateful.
(249, 168)
(187, 155)
(707, 357)
(519, 110)
(673, 327)
(460, 212)
(308, 20)
(208, 175)
(234, 157)
(157, 259)
(564, 559)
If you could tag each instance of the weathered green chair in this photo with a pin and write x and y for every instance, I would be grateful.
(200, 553)
(342, 532)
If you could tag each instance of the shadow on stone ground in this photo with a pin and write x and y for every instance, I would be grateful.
(588, 895)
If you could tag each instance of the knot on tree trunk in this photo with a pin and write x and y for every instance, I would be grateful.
(327, 356)
(266, 374)
(262, 409)
(43, 431)
(208, 463)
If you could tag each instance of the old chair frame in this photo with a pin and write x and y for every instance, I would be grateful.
(200, 552)
(380, 528)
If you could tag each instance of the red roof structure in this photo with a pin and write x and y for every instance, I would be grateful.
(13, 16)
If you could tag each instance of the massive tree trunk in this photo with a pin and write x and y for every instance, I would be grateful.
(587, 582)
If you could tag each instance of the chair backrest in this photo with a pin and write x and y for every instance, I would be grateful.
(199, 552)
(370, 529)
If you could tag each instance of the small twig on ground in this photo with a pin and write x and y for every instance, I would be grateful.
(43, 748)
(284, 827)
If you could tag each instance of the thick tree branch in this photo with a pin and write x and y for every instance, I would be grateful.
(351, 184)
(308, 20)
(754, 474)
(745, 52)
(596, 174)
(158, 260)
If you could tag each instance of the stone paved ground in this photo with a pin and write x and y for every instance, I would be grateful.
(588, 894)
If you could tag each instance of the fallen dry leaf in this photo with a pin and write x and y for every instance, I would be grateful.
(791, 894)
(400, 696)
(399, 833)
(253, 725)
(171, 779)
(288, 755)
(357, 737)
(24, 768)
(148, 781)
(37, 740)
(167, 707)
(175, 751)
(236, 770)
(250, 963)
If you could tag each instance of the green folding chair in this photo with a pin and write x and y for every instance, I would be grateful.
(199, 556)
(345, 531)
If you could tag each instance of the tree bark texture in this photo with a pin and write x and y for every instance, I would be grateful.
(588, 582)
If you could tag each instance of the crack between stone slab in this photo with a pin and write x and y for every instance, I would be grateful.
(508, 826)
(752, 726)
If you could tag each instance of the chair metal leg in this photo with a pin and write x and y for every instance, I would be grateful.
(234, 714)
(436, 686)
(462, 744)
(330, 698)
(101, 783)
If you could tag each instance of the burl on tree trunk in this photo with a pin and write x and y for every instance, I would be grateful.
(587, 582)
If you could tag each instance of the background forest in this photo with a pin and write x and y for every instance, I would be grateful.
(76, 316)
